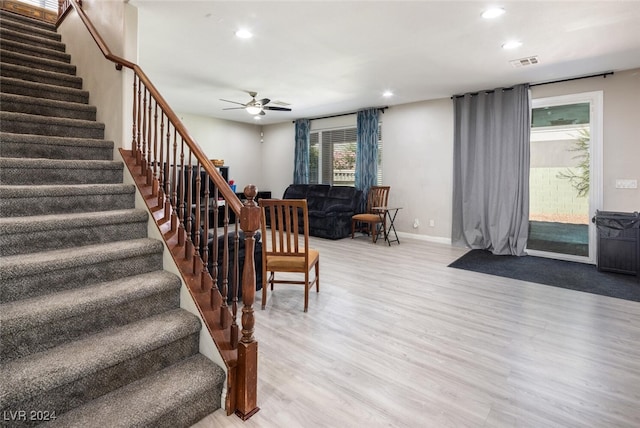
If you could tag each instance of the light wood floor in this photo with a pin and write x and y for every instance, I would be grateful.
(395, 338)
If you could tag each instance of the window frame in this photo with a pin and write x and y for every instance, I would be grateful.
(324, 139)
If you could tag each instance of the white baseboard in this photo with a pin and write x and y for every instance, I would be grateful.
(437, 239)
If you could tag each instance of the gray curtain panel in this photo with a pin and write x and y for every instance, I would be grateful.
(301, 155)
(366, 151)
(491, 170)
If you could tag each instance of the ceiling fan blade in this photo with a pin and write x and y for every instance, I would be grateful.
(264, 101)
(234, 108)
(234, 102)
(277, 108)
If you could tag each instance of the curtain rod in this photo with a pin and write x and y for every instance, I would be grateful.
(604, 75)
(382, 109)
(487, 91)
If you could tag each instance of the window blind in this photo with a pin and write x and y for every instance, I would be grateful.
(340, 164)
(332, 156)
(314, 158)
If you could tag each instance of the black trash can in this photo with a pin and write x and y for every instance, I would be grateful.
(618, 242)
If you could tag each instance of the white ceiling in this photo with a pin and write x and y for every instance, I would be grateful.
(331, 57)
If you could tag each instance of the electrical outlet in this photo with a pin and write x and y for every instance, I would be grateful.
(432, 223)
(416, 223)
(626, 184)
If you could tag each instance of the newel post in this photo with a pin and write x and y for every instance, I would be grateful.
(247, 371)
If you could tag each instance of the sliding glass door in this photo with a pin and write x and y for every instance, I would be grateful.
(566, 176)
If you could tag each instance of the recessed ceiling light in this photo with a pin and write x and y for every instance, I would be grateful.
(244, 34)
(387, 94)
(512, 44)
(494, 12)
(257, 118)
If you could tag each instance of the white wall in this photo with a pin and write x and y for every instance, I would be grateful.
(277, 158)
(417, 163)
(237, 143)
(116, 23)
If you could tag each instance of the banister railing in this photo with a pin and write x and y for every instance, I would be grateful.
(194, 208)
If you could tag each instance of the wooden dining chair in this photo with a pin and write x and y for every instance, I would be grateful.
(373, 217)
(285, 247)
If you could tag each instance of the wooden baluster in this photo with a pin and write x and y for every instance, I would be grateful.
(197, 226)
(174, 190)
(135, 143)
(234, 286)
(148, 170)
(188, 250)
(247, 372)
(170, 180)
(205, 233)
(161, 167)
(181, 202)
(143, 160)
(152, 177)
(139, 122)
(224, 290)
(215, 250)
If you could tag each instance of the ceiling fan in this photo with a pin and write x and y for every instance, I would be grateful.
(255, 107)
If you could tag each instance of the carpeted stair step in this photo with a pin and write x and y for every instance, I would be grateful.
(183, 394)
(23, 73)
(25, 171)
(52, 271)
(21, 123)
(40, 323)
(36, 63)
(33, 50)
(46, 107)
(27, 235)
(51, 199)
(42, 146)
(28, 39)
(75, 373)
(18, 86)
(6, 15)
(29, 26)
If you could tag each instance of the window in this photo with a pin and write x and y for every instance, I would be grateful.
(45, 4)
(332, 156)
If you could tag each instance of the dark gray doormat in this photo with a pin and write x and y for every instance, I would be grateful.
(558, 273)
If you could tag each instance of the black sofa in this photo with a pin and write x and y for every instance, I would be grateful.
(330, 207)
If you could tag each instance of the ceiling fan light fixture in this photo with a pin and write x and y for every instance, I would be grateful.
(255, 107)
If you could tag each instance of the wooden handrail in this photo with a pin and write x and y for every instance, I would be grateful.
(227, 193)
(156, 158)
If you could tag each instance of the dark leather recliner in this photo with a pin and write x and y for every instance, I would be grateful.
(330, 207)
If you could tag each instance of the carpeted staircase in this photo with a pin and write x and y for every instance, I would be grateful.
(91, 328)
